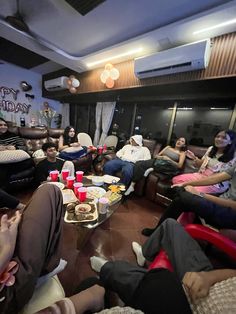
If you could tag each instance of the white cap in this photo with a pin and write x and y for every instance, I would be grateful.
(138, 139)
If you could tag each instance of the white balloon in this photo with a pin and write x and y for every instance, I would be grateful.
(104, 76)
(75, 83)
(114, 74)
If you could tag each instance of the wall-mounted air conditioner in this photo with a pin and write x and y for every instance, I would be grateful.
(56, 84)
(185, 58)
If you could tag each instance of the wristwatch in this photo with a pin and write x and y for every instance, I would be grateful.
(201, 194)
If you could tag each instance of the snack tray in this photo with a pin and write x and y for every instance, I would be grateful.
(94, 214)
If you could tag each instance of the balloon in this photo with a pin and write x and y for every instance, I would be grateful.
(75, 82)
(114, 73)
(104, 76)
(108, 66)
(25, 86)
(110, 83)
(69, 83)
(73, 90)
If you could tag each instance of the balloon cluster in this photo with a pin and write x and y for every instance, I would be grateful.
(73, 83)
(109, 75)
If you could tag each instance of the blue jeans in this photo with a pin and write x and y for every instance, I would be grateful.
(115, 165)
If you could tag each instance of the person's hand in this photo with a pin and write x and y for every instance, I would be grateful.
(49, 179)
(177, 185)
(10, 147)
(8, 234)
(197, 285)
(191, 189)
(190, 154)
(75, 144)
(2, 147)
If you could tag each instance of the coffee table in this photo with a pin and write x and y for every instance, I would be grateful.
(84, 229)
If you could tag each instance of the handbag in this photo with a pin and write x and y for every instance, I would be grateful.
(165, 167)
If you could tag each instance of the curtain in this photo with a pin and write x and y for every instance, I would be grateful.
(108, 109)
(65, 111)
(98, 123)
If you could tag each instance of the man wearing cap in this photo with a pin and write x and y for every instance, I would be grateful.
(126, 158)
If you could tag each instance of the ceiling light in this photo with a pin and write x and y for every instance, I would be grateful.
(230, 22)
(219, 108)
(130, 52)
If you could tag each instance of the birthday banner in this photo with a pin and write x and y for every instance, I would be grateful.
(12, 105)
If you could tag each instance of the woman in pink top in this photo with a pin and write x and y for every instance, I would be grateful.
(218, 158)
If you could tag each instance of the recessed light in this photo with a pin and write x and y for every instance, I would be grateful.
(230, 22)
(127, 53)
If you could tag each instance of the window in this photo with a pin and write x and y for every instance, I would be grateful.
(199, 123)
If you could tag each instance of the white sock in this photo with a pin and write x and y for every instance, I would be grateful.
(97, 263)
(149, 170)
(130, 189)
(139, 254)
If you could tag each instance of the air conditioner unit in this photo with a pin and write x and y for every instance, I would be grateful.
(56, 84)
(185, 58)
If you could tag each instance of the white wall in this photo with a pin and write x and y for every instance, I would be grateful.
(10, 77)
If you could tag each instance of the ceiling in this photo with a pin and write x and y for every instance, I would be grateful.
(83, 35)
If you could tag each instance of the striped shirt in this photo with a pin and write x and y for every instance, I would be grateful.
(9, 138)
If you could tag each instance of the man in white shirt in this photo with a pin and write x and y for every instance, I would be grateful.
(126, 158)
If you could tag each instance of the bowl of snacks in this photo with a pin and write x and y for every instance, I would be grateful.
(98, 181)
(82, 208)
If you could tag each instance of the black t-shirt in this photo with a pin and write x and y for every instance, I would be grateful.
(44, 167)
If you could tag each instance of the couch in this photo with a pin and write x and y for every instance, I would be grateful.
(154, 187)
(34, 139)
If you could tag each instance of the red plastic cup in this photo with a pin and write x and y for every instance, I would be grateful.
(79, 176)
(64, 174)
(82, 192)
(54, 175)
(69, 182)
(76, 186)
(100, 150)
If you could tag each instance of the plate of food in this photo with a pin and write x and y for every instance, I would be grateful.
(59, 184)
(86, 212)
(94, 192)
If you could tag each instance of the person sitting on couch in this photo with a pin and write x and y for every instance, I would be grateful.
(218, 158)
(50, 163)
(12, 151)
(219, 212)
(69, 147)
(174, 156)
(126, 158)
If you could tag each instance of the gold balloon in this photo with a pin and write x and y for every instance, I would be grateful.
(108, 66)
(73, 90)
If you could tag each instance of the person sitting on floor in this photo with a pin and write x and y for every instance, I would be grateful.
(175, 156)
(51, 162)
(34, 248)
(9, 201)
(126, 158)
(220, 212)
(69, 147)
(218, 157)
(193, 286)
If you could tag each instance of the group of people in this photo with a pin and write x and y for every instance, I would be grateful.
(58, 156)
(32, 237)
